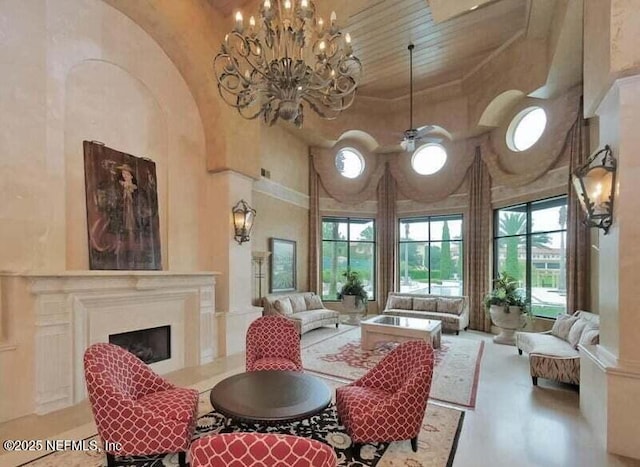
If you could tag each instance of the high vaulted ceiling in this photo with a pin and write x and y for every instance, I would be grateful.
(445, 51)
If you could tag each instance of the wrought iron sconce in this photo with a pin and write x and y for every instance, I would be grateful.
(243, 217)
(595, 184)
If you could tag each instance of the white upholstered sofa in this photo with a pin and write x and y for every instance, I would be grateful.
(305, 309)
(452, 311)
(554, 354)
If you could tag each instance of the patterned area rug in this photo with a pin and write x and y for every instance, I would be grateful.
(455, 377)
(436, 444)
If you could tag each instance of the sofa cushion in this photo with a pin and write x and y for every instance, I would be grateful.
(400, 303)
(452, 306)
(314, 302)
(283, 305)
(310, 316)
(425, 304)
(298, 303)
(576, 332)
(545, 344)
(562, 326)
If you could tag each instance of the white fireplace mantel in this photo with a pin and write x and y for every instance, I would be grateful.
(76, 309)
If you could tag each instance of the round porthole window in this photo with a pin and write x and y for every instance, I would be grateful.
(349, 163)
(429, 159)
(526, 128)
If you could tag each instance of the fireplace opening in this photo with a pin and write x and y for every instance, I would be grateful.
(149, 345)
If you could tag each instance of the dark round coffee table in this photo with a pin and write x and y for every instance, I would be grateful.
(270, 397)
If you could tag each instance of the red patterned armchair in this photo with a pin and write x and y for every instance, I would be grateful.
(135, 407)
(388, 403)
(260, 450)
(273, 343)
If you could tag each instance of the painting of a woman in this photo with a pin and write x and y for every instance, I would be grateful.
(122, 210)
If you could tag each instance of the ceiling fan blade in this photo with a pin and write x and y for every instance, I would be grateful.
(423, 130)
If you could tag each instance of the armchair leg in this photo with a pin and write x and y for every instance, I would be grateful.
(534, 380)
(337, 324)
(111, 460)
(519, 351)
(457, 333)
(182, 459)
(414, 444)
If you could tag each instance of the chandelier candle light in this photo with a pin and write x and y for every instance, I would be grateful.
(288, 57)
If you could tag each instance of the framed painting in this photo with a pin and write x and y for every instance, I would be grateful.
(282, 268)
(122, 210)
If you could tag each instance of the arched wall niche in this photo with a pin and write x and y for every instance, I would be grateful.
(497, 111)
(190, 33)
(440, 185)
(345, 190)
(513, 168)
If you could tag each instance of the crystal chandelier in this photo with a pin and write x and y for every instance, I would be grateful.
(290, 58)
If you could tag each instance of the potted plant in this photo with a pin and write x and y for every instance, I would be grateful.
(507, 308)
(353, 294)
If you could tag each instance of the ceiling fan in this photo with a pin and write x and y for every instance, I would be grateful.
(412, 135)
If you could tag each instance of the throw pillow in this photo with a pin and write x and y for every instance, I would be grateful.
(452, 306)
(425, 304)
(576, 332)
(314, 302)
(283, 305)
(298, 303)
(400, 303)
(563, 325)
(590, 335)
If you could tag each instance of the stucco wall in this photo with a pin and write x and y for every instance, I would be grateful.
(75, 70)
(80, 70)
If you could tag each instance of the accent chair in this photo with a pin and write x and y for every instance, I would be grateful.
(260, 450)
(273, 343)
(389, 402)
(135, 408)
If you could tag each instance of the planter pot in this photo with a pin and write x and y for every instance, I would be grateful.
(509, 320)
(352, 311)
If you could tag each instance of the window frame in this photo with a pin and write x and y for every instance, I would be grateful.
(429, 219)
(349, 242)
(553, 201)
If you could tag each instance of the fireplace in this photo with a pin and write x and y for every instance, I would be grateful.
(149, 345)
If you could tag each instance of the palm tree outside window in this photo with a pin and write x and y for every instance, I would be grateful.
(530, 245)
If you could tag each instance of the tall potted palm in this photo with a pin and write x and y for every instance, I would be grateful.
(507, 308)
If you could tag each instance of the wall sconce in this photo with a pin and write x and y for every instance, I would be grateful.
(594, 184)
(243, 216)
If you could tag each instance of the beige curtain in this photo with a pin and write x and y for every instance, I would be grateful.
(578, 235)
(478, 242)
(314, 229)
(386, 240)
